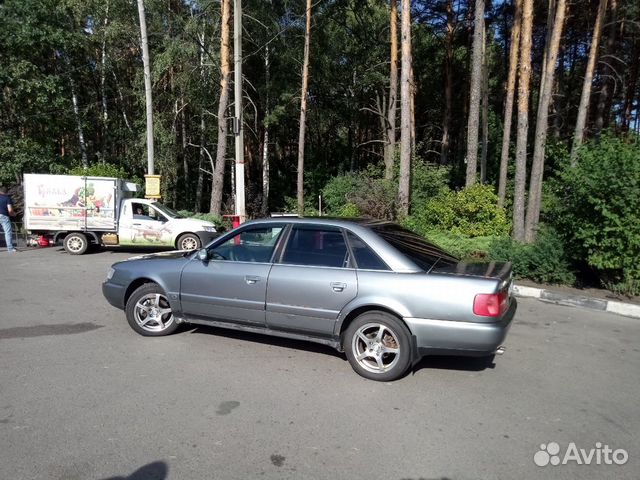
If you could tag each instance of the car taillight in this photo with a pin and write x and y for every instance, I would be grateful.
(491, 304)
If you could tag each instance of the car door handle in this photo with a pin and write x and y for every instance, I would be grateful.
(251, 279)
(136, 224)
(338, 286)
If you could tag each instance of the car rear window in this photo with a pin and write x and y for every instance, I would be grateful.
(419, 250)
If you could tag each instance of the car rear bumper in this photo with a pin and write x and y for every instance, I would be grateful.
(437, 337)
(114, 294)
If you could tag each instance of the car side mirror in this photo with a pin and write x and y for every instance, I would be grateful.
(203, 255)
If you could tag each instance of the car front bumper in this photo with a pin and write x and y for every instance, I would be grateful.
(206, 237)
(446, 337)
(114, 294)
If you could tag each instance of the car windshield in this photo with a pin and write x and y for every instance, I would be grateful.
(167, 211)
(420, 251)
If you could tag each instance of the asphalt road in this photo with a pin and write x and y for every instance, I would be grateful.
(84, 397)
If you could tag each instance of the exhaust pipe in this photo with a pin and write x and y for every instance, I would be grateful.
(500, 350)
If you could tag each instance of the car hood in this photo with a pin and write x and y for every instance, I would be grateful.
(163, 255)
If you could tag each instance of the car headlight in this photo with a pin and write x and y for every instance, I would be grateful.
(208, 228)
(110, 273)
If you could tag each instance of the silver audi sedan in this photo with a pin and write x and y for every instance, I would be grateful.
(371, 289)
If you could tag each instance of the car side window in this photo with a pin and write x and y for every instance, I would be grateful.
(365, 257)
(316, 246)
(250, 245)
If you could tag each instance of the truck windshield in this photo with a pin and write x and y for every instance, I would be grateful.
(167, 211)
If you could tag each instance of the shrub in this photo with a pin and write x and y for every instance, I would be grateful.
(360, 194)
(221, 224)
(471, 212)
(544, 261)
(598, 210)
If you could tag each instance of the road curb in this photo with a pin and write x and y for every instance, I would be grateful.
(626, 309)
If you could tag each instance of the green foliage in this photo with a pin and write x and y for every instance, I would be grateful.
(100, 170)
(427, 181)
(544, 261)
(461, 246)
(221, 224)
(471, 212)
(597, 209)
(360, 194)
(349, 210)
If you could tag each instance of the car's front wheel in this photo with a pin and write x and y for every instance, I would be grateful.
(149, 313)
(188, 241)
(378, 346)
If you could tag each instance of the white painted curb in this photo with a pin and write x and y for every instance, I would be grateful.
(626, 309)
(522, 291)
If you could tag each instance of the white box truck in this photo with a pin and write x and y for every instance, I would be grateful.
(84, 211)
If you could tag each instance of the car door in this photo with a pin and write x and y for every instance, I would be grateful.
(143, 225)
(312, 282)
(232, 284)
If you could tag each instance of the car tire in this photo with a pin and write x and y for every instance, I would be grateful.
(149, 312)
(378, 346)
(76, 243)
(188, 241)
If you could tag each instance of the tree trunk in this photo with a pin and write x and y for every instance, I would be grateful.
(303, 110)
(390, 145)
(200, 180)
(404, 183)
(523, 120)
(448, 85)
(265, 141)
(147, 86)
(217, 182)
(508, 108)
(474, 97)
(103, 74)
(630, 87)
(76, 112)
(485, 108)
(586, 86)
(542, 124)
(605, 91)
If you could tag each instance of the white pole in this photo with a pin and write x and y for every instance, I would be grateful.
(147, 85)
(238, 131)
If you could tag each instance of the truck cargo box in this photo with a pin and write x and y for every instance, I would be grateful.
(66, 202)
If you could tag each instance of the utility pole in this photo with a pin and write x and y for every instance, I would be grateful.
(147, 85)
(238, 130)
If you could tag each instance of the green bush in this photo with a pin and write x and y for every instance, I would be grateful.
(597, 210)
(461, 246)
(427, 181)
(221, 224)
(544, 261)
(471, 212)
(360, 194)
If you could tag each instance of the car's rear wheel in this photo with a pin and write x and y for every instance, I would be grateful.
(76, 243)
(378, 346)
(188, 241)
(149, 313)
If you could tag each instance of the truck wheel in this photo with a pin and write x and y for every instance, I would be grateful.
(76, 243)
(188, 241)
(378, 346)
(149, 313)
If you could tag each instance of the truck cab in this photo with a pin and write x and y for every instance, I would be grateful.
(148, 223)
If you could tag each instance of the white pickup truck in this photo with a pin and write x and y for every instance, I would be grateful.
(81, 211)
